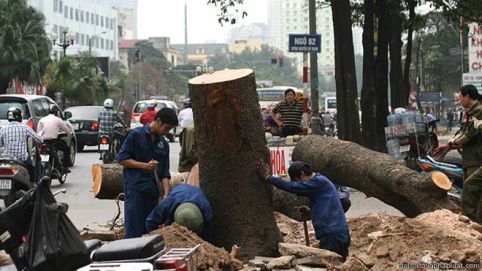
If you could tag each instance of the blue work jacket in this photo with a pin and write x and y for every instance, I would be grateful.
(163, 214)
(326, 211)
(139, 146)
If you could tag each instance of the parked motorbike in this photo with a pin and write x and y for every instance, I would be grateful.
(51, 159)
(450, 167)
(15, 179)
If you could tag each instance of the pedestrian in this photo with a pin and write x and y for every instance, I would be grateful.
(188, 153)
(187, 206)
(327, 213)
(14, 137)
(471, 138)
(145, 158)
(148, 116)
(432, 122)
(450, 120)
(291, 112)
(328, 120)
(186, 118)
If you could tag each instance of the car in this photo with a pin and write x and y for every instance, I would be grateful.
(35, 107)
(141, 106)
(85, 121)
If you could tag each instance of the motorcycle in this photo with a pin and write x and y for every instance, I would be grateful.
(15, 179)
(109, 147)
(51, 159)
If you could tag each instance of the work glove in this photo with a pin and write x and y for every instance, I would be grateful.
(476, 122)
(263, 170)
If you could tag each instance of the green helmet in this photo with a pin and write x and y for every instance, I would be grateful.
(189, 215)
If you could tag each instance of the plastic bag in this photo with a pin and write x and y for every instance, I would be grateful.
(53, 241)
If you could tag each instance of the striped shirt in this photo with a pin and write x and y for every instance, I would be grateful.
(290, 114)
(14, 138)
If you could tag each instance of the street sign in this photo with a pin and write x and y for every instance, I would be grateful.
(473, 78)
(304, 43)
(430, 96)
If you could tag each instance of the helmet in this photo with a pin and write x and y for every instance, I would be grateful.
(189, 215)
(53, 109)
(109, 103)
(187, 103)
(14, 114)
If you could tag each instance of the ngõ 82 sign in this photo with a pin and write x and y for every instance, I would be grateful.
(302, 43)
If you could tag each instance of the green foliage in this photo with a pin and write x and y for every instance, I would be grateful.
(229, 11)
(24, 46)
(78, 81)
(470, 10)
(260, 62)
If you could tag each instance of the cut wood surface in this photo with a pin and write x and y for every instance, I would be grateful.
(374, 173)
(108, 181)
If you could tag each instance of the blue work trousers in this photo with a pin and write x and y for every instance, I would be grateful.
(336, 242)
(137, 207)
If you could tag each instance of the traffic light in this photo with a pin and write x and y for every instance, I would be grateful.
(274, 61)
(281, 60)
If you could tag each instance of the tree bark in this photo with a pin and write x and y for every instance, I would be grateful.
(399, 96)
(107, 181)
(408, 59)
(230, 141)
(381, 72)
(373, 173)
(369, 105)
(348, 120)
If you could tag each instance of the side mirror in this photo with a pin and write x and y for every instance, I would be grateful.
(67, 115)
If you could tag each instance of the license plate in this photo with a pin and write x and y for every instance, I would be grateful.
(76, 126)
(104, 147)
(44, 157)
(404, 148)
(5, 184)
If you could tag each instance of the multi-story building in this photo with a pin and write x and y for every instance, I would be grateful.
(93, 26)
(163, 44)
(254, 31)
(201, 52)
(291, 17)
(127, 16)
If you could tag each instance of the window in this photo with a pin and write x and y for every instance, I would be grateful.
(87, 16)
(38, 109)
(101, 43)
(92, 19)
(66, 12)
(72, 13)
(61, 6)
(96, 19)
(102, 21)
(112, 45)
(76, 14)
(56, 29)
(45, 106)
(56, 5)
(82, 16)
(82, 39)
(77, 37)
(96, 43)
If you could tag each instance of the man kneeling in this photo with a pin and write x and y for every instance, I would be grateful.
(186, 205)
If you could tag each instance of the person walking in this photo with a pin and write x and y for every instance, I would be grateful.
(450, 120)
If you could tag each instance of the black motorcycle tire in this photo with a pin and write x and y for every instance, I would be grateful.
(63, 178)
(106, 159)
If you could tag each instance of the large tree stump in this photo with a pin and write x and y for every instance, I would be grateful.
(374, 173)
(230, 140)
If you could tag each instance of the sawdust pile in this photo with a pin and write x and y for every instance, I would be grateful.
(384, 242)
(210, 256)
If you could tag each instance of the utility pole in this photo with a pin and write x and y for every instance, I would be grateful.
(315, 120)
(185, 33)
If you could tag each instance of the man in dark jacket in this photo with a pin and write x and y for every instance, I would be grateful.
(326, 211)
(186, 205)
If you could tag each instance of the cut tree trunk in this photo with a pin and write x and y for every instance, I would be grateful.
(230, 140)
(107, 181)
(374, 173)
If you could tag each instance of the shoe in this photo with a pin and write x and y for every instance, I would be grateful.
(66, 170)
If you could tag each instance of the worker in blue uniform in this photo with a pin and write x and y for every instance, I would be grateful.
(327, 213)
(186, 205)
(145, 158)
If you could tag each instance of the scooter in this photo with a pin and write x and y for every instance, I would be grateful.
(15, 179)
(452, 169)
(51, 159)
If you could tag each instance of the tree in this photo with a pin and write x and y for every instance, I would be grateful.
(398, 95)
(345, 74)
(24, 46)
(151, 81)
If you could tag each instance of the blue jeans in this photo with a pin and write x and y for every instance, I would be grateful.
(337, 242)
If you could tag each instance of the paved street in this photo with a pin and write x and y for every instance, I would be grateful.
(87, 211)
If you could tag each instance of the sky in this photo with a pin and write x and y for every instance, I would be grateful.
(165, 18)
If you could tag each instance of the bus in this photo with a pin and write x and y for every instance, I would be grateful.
(270, 96)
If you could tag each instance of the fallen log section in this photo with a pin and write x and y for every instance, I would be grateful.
(376, 174)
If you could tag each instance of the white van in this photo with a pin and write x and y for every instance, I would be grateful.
(141, 106)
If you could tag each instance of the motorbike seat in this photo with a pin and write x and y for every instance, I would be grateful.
(13, 159)
(92, 244)
(142, 249)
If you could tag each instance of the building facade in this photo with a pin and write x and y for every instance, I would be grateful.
(254, 31)
(93, 26)
(127, 16)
